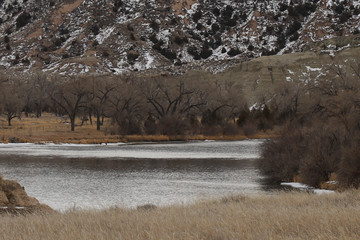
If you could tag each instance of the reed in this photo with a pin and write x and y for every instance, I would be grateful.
(279, 216)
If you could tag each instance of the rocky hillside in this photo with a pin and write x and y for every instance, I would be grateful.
(116, 36)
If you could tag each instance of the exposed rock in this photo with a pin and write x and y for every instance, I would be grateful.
(14, 199)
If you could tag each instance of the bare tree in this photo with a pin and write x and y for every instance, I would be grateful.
(42, 84)
(171, 97)
(12, 101)
(69, 95)
(98, 99)
(171, 102)
(127, 107)
(224, 101)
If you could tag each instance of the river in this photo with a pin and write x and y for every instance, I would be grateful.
(64, 176)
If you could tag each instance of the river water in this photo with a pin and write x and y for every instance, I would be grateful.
(129, 175)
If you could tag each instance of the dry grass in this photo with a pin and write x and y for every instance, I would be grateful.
(280, 216)
(50, 128)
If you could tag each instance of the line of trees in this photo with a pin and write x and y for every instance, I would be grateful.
(153, 105)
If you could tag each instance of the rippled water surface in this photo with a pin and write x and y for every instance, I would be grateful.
(129, 175)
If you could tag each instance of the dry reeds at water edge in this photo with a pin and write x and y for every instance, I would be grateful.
(291, 215)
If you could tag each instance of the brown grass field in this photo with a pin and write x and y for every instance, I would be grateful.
(279, 216)
(50, 128)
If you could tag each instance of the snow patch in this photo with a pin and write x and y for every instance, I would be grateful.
(305, 187)
(104, 34)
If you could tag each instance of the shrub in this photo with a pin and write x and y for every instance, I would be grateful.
(153, 38)
(349, 169)
(180, 40)
(23, 19)
(58, 42)
(132, 55)
(322, 156)
(216, 11)
(233, 52)
(173, 125)
(132, 37)
(63, 31)
(227, 16)
(6, 39)
(168, 53)
(95, 29)
(8, 31)
(283, 7)
(243, 117)
(345, 16)
(130, 27)
(117, 5)
(155, 26)
(294, 37)
(281, 157)
(294, 27)
(197, 16)
(199, 26)
(215, 27)
(206, 53)
(192, 50)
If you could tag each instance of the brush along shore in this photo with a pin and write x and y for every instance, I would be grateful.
(51, 128)
(292, 215)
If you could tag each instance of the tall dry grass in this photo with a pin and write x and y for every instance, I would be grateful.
(280, 216)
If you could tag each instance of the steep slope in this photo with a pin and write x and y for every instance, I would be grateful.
(115, 36)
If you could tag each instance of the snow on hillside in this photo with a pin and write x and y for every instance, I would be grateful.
(115, 36)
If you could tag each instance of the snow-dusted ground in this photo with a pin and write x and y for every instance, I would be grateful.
(302, 186)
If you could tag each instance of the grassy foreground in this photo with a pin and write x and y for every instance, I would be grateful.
(51, 128)
(279, 216)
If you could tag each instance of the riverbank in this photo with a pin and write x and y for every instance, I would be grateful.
(51, 128)
(279, 216)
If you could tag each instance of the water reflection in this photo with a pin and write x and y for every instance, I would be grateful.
(63, 182)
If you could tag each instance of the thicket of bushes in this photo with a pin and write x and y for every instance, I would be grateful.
(320, 137)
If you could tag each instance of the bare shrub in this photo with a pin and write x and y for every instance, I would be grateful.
(322, 156)
(281, 157)
(173, 125)
(349, 167)
(230, 129)
(249, 128)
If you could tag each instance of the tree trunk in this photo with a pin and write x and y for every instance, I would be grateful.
(98, 123)
(72, 120)
(90, 117)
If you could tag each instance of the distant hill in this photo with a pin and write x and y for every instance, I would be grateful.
(174, 36)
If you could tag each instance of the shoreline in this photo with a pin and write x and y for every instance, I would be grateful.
(133, 139)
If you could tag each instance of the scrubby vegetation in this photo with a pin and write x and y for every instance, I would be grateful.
(280, 216)
(321, 130)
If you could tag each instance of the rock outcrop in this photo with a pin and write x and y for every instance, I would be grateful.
(14, 199)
